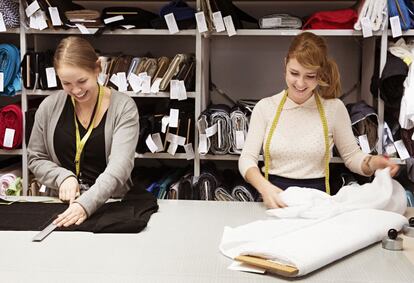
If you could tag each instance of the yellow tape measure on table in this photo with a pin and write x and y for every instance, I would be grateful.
(325, 134)
(80, 143)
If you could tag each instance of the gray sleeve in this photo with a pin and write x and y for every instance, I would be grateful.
(120, 161)
(40, 162)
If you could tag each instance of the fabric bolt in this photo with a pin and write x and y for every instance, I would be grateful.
(222, 141)
(404, 10)
(11, 117)
(5, 181)
(202, 125)
(244, 192)
(185, 188)
(239, 122)
(375, 11)
(337, 19)
(207, 182)
(358, 216)
(130, 215)
(223, 193)
(10, 67)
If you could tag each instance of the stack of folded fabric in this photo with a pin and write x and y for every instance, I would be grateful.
(11, 126)
(10, 67)
(10, 185)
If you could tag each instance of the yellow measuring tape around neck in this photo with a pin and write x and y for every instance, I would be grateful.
(325, 134)
(80, 143)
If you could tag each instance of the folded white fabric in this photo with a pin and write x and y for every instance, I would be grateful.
(375, 11)
(353, 219)
(307, 248)
(383, 193)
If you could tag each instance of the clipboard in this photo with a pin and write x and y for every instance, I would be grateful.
(268, 265)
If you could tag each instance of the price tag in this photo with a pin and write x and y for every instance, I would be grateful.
(151, 144)
(239, 139)
(171, 23)
(174, 117)
(363, 142)
(122, 81)
(156, 138)
(135, 82)
(146, 84)
(174, 89)
(155, 88)
(51, 77)
(182, 92)
(32, 8)
(228, 21)
(218, 22)
(164, 123)
(55, 17)
(189, 152)
(82, 29)
(8, 138)
(395, 26)
(172, 148)
(402, 150)
(202, 144)
(211, 131)
(201, 22)
(366, 27)
(42, 189)
(1, 81)
(113, 19)
(2, 24)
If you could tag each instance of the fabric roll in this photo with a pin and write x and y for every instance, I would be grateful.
(207, 182)
(5, 181)
(202, 125)
(375, 11)
(10, 67)
(239, 123)
(222, 141)
(11, 117)
(244, 192)
(185, 188)
(223, 193)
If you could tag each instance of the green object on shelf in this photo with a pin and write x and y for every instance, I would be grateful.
(15, 188)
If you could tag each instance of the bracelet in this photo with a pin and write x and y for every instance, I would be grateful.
(367, 161)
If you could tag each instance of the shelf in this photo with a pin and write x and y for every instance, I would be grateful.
(161, 155)
(115, 32)
(293, 32)
(11, 151)
(12, 30)
(409, 32)
(130, 93)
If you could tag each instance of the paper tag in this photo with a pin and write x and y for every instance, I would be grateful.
(228, 21)
(142, 75)
(51, 77)
(366, 27)
(363, 143)
(2, 24)
(218, 22)
(189, 151)
(1, 81)
(271, 22)
(402, 150)
(239, 139)
(42, 189)
(114, 80)
(395, 26)
(174, 117)
(41, 21)
(164, 123)
(32, 8)
(171, 23)
(175, 139)
(33, 22)
(390, 149)
(151, 144)
(146, 84)
(155, 88)
(135, 82)
(8, 137)
(113, 19)
(202, 144)
(102, 78)
(128, 26)
(182, 92)
(201, 22)
(82, 29)
(55, 17)
(172, 148)
(122, 81)
(174, 89)
(211, 131)
(156, 138)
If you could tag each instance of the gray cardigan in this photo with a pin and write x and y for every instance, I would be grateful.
(121, 136)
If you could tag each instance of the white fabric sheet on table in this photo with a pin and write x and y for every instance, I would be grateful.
(312, 236)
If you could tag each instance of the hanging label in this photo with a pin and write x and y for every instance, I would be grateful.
(366, 27)
(146, 84)
(202, 144)
(122, 81)
(395, 26)
(114, 80)
(2, 24)
(174, 89)
(41, 21)
(239, 139)
(182, 92)
(151, 144)
(82, 29)
(156, 138)
(135, 82)
(211, 131)
(402, 150)
(390, 149)
(174, 117)
(164, 123)
(175, 139)
(8, 138)
(201, 22)
(42, 189)
(113, 19)
(363, 143)
(32, 8)
(171, 23)
(128, 26)
(172, 148)
(228, 21)
(271, 22)
(1, 81)
(54, 16)
(33, 22)
(218, 22)
(155, 87)
(189, 151)
(102, 78)
(51, 77)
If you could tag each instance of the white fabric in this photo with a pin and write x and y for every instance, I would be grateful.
(383, 193)
(406, 118)
(325, 228)
(401, 49)
(375, 11)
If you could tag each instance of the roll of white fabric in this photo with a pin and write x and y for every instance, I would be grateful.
(375, 11)
(5, 181)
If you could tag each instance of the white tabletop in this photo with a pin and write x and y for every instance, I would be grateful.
(180, 244)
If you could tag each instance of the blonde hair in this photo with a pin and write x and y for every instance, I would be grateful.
(76, 51)
(311, 52)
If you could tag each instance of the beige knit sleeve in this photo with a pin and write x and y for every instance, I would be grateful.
(345, 141)
(254, 140)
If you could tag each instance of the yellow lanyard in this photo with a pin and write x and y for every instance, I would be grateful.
(325, 134)
(80, 143)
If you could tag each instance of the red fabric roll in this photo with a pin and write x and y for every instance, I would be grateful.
(11, 117)
(338, 19)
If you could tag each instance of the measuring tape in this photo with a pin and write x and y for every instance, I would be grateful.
(325, 134)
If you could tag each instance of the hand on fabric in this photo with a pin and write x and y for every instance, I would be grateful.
(381, 162)
(69, 189)
(271, 197)
(75, 214)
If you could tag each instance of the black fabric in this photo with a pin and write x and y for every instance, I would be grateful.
(130, 215)
(93, 159)
(283, 183)
(132, 16)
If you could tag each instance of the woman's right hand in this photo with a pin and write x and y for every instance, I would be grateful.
(69, 189)
(271, 197)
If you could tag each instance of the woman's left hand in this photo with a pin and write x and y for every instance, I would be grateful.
(381, 162)
(75, 214)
